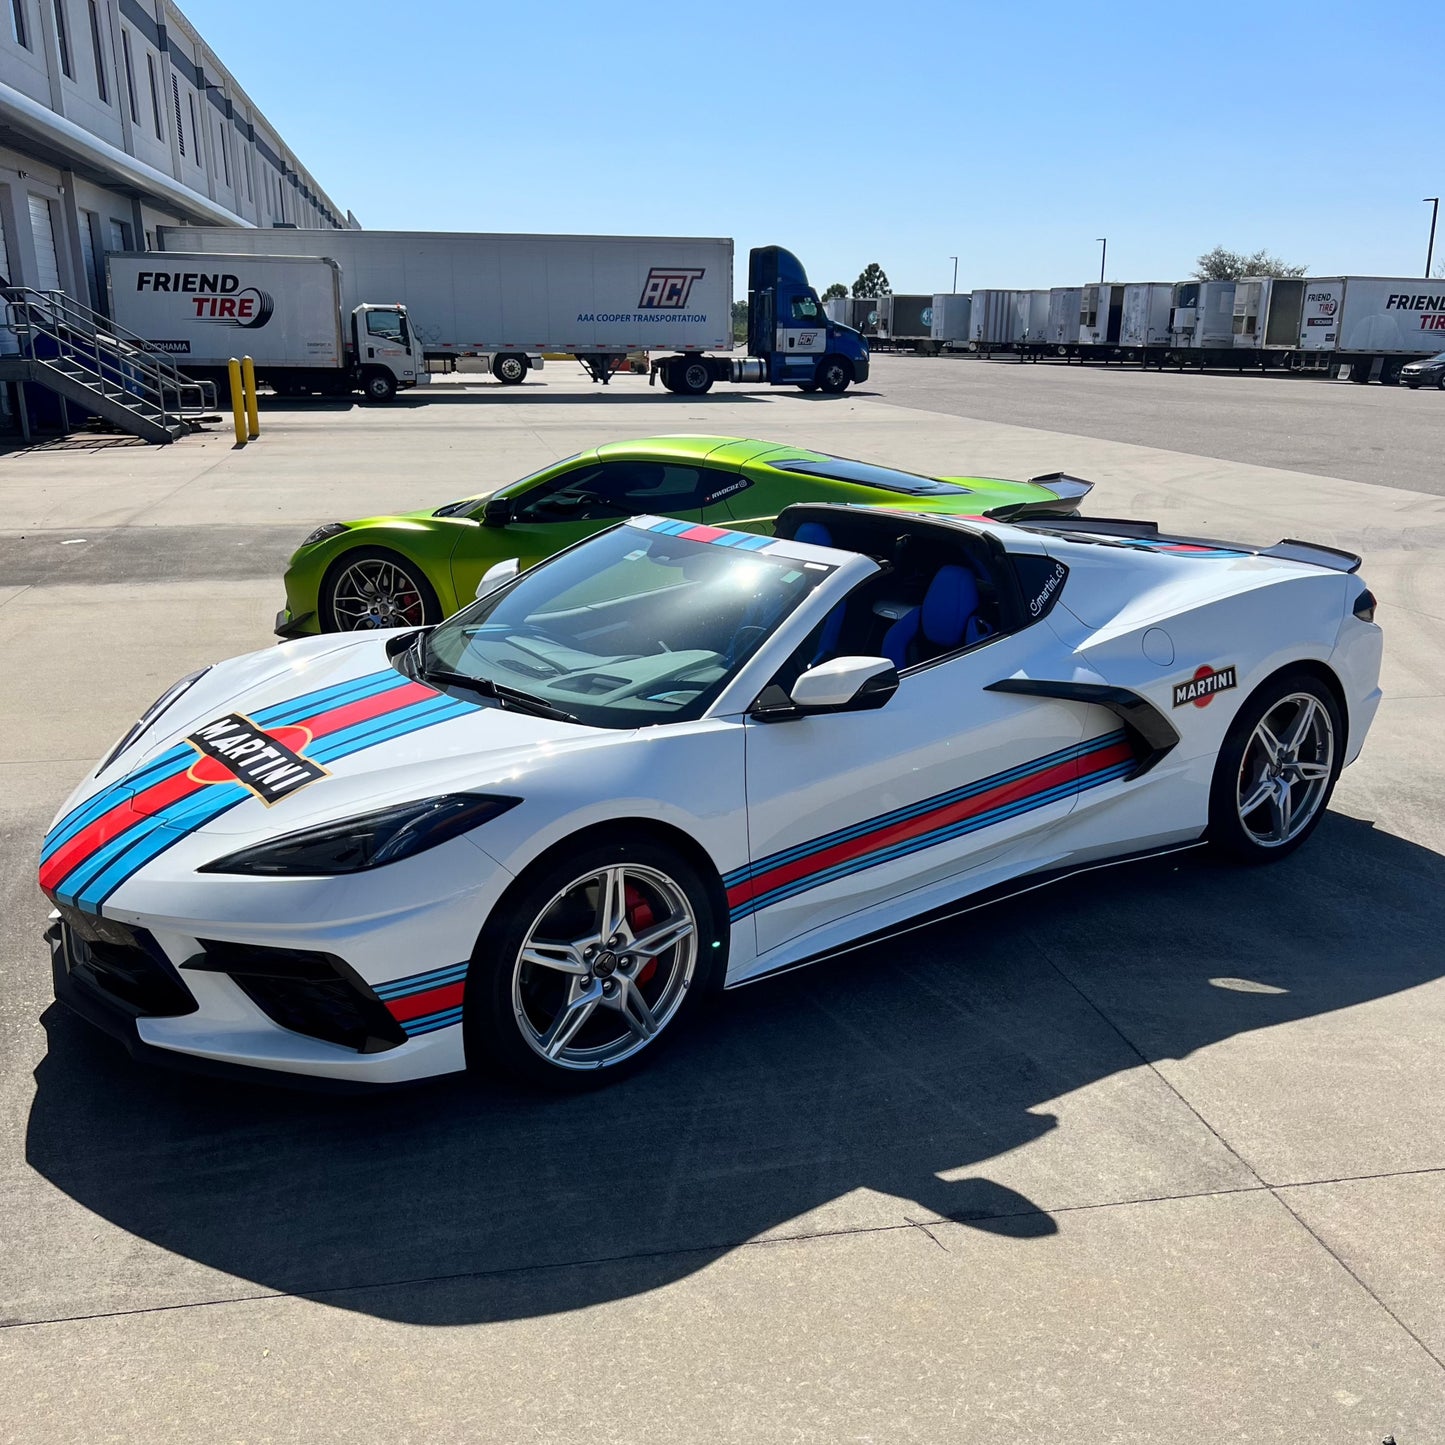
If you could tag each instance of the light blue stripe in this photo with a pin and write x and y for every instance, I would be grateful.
(432, 1022)
(753, 542)
(670, 527)
(329, 698)
(421, 982)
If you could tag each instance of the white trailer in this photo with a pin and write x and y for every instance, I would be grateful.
(1033, 317)
(1061, 330)
(287, 313)
(995, 322)
(1375, 324)
(948, 325)
(1267, 311)
(1146, 311)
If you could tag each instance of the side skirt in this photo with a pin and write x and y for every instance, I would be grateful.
(1014, 888)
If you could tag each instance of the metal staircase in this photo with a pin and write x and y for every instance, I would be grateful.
(110, 372)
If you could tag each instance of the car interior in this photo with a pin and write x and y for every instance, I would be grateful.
(935, 594)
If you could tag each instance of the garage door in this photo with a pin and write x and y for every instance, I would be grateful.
(47, 266)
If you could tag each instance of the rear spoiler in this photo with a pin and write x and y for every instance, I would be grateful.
(1066, 489)
(1291, 549)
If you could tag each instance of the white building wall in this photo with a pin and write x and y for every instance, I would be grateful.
(136, 75)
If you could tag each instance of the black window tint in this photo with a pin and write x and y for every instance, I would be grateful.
(720, 486)
(888, 479)
(609, 491)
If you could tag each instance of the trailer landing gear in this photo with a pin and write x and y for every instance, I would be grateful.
(598, 364)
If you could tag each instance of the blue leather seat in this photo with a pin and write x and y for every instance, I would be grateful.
(946, 619)
(815, 534)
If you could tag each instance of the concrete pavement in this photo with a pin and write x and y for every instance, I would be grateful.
(1155, 1155)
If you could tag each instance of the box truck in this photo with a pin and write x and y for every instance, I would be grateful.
(286, 312)
(512, 297)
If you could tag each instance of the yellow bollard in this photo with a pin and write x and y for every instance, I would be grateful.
(248, 375)
(238, 401)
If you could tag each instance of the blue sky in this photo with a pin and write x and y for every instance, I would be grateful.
(1009, 135)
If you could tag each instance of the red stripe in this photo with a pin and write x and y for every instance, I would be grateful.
(418, 1005)
(1001, 796)
(149, 801)
(702, 534)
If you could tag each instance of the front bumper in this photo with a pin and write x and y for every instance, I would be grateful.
(300, 624)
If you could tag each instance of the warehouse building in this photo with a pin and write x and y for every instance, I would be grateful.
(116, 118)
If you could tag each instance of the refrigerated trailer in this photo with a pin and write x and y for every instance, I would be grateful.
(1147, 308)
(513, 297)
(948, 325)
(906, 321)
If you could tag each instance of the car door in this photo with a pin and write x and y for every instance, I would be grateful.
(569, 508)
(848, 811)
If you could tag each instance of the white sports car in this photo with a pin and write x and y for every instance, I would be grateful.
(674, 758)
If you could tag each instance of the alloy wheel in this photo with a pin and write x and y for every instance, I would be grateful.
(1285, 773)
(373, 592)
(604, 967)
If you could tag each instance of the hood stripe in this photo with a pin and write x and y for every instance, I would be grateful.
(84, 864)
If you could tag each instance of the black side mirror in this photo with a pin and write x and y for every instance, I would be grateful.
(497, 512)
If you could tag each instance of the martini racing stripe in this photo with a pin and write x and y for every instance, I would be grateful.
(179, 758)
(924, 824)
(425, 1002)
(88, 861)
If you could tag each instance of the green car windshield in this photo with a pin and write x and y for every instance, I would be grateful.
(467, 505)
(630, 628)
(888, 479)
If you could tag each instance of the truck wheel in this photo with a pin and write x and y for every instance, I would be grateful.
(372, 587)
(691, 376)
(510, 370)
(808, 386)
(1360, 371)
(834, 374)
(378, 385)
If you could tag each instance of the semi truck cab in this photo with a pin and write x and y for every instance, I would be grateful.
(388, 355)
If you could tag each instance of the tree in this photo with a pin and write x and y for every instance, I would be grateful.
(740, 320)
(836, 290)
(873, 282)
(1222, 264)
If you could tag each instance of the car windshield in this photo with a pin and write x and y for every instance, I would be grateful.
(888, 479)
(632, 627)
(468, 505)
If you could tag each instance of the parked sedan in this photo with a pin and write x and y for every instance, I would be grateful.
(419, 567)
(677, 758)
(1430, 372)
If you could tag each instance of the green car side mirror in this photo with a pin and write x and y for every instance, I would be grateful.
(497, 512)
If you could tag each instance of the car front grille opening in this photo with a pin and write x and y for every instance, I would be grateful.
(127, 963)
(316, 994)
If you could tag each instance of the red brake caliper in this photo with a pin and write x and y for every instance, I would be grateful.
(639, 919)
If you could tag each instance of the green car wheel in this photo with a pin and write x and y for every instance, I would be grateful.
(372, 587)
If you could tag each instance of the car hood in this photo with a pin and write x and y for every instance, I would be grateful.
(314, 731)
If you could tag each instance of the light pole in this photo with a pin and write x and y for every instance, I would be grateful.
(954, 259)
(1434, 203)
(1104, 242)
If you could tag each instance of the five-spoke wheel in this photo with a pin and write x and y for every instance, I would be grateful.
(591, 959)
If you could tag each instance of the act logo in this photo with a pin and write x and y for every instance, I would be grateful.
(668, 287)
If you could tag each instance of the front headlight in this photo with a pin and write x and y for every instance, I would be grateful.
(151, 714)
(369, 841)
(325, 530)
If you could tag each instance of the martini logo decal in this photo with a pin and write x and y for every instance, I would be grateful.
(234, 750)
(1203, 685)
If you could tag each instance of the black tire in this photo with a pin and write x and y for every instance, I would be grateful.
(1415, 385)
(1242, 770)
(1441, 382)
(691, 375)
(378, 384)
(809, 386)
(512, 1005)
(1360, 371)
(510, 369)
(425, 611)
(835, 374)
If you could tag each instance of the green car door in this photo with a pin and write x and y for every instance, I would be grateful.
(538, 518)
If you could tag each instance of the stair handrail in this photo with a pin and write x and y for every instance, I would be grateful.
(64, 320)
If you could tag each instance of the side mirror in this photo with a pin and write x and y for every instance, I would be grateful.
(497, 512)
(846, 684)
(497, 575)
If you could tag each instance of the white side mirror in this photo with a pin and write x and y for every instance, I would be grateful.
(846, 682)
(497, 575)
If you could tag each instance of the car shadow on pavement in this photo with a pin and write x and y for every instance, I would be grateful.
(926, 1056)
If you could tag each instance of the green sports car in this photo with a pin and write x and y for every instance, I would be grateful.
(418, 567)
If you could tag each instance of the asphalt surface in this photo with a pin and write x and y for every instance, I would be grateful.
(1157, 1154)
(1391, 436)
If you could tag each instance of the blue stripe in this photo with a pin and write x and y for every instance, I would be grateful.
(926, 805)
(394, 725)
(671, 528)
(328, 698)
(753, 542)
(432, 1022)
(421, 982)
(929, 840)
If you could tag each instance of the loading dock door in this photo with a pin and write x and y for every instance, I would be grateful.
(47, 265)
